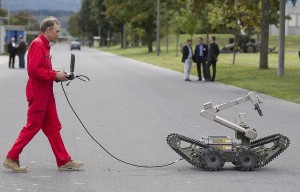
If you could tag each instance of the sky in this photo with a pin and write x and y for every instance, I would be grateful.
(67, 5)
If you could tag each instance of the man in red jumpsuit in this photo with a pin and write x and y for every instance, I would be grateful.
(42, 112)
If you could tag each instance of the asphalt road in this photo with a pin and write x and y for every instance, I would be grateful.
(130, 107)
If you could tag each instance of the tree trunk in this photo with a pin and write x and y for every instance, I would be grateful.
(158, 28)
(234, 55)
(177, 43)
(281, 39)
(149, 39)
(263, 63)
(236, 46)
(133, 37)
(167, 42)
(123, 44)
(207, 34)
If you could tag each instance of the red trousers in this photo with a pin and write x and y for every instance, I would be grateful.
(42, 114)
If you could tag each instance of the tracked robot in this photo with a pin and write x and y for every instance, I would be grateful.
(246, 153)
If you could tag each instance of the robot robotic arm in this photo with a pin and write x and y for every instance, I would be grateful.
(210, 111)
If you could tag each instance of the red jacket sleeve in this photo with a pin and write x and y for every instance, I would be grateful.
(39, 64)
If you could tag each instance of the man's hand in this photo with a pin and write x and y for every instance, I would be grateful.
(61, 76)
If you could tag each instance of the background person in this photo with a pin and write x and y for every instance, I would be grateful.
(187, 55)
(21, 49)
(200, 57)
(12, 50)
(42, 112)
(212, 58)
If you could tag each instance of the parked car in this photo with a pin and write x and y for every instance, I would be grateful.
(75, 45)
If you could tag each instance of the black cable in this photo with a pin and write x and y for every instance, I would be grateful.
(142, 166)
(81, 77)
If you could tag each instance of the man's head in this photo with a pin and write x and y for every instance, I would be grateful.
(13, 39)
(200, 40)
(20, 38)
(212, 38)
(50, 27)
(189, 41)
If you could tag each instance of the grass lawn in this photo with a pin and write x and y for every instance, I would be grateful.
(244, 73)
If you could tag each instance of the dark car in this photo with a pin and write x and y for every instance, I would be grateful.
(75, 45)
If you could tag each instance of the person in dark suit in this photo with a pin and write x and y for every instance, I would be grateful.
(21, 49)
(212, 58)
(187, 55)
(200, 57)
(12, 50)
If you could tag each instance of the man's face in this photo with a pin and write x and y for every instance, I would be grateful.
(200, 41)
(53, 32)
(189, 42)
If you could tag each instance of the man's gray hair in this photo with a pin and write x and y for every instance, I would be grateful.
(48, 22)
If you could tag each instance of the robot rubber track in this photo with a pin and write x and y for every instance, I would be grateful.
(281, 143)
(196, 149)
(174, 141)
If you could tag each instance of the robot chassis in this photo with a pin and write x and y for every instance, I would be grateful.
(211, 153)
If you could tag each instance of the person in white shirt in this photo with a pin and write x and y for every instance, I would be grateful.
(187, 59)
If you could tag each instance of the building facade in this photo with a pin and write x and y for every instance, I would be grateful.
(9, 31)
(292, 26)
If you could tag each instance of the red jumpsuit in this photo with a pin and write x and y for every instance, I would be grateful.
(42, 112)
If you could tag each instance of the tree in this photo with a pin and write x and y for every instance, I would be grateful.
(3, 12)
(24, 18)
(263, 62)
(235, 15)
(269, 14)
(140, 14)
(281, 39)
(98, 18)
(176, 29)
(144, 16)
(73, 26)
(189, 24)
(117, 13)
(239, 14)
(171, 19)
(85, 22)
(201, 8)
